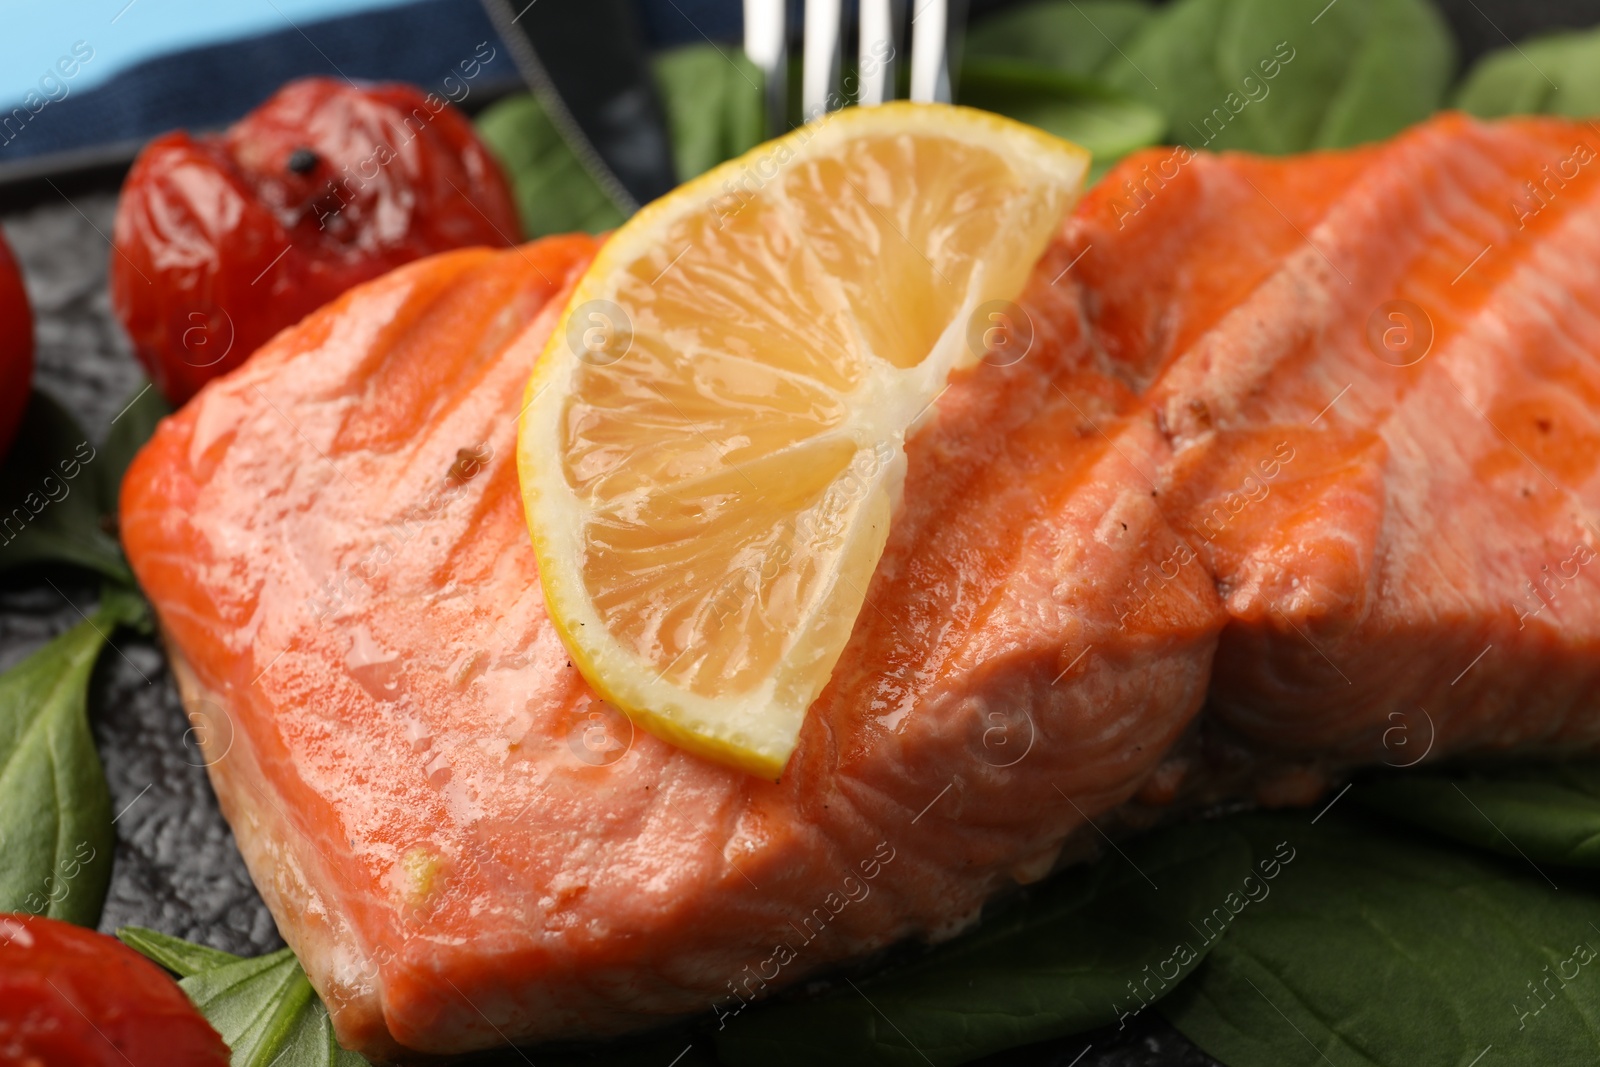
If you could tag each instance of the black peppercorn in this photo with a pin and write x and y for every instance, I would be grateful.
(303, 161)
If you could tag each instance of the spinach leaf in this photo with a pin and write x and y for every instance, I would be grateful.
(183, 958)
(1287, 75)
(1549, 813)
(264, 1008)
(55, 809)
(254, 1004)
(554, 193)
(1107, 123)
(52, 497)
(1400, 63)
(1072, 36)
(1065, 960)
(1383, 950)
(1554, 74)
(713, 101)
(130, 429)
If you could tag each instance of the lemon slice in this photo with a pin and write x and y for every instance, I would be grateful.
(713, 440)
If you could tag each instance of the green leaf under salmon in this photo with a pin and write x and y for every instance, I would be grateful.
(55, 808)
(264, 1008)
(1386, 950)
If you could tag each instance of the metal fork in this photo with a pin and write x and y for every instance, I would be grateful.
(881, 21)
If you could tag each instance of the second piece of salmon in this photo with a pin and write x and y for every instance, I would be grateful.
(1379, 371)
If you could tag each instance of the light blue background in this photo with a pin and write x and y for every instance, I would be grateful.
(37, 32)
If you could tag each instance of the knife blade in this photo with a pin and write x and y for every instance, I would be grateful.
(586, 63)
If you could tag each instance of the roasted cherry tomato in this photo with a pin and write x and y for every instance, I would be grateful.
(16, 347)
(72, 996)
(222, 241)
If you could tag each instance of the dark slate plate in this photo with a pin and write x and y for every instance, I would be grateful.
(176, 868)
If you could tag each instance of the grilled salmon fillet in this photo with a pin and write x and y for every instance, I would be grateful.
(1379, 374)
(1318, 433)
(465, 846)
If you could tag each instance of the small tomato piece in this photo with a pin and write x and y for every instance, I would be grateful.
(222, 241)
(72, 996)
(16, 347)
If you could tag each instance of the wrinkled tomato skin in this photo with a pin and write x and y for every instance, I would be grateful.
(16, 347)
(72, 996)
(220, 242)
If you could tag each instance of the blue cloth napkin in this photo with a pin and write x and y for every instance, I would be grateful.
(209, 86)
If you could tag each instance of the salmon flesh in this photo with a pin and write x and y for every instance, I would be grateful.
(1379, 373)
(1225, 473)
(464, 845)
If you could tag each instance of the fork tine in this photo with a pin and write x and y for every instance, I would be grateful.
(880, 20)
(930, 59)
(819, 72)
(766, 42)
(820, 63)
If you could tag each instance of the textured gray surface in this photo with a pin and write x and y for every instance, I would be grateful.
(176, 868)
